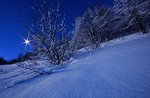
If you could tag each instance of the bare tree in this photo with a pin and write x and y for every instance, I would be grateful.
(91, 27)
(139, 10)
(50, 41)
(131, 15)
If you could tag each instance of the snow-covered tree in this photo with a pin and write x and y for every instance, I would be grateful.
(100, 24)
(131, 15)
(90, 27)
(102, 21)
(50, 41)
(140, 14)
(121, 17)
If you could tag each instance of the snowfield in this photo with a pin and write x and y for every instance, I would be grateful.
(121, 69)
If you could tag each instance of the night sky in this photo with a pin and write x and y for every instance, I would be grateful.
(11, 30)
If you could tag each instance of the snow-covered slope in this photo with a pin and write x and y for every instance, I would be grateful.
(119, 71)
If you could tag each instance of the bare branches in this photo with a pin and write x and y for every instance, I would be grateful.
(100, 24)
(48, 32)
(91, 25)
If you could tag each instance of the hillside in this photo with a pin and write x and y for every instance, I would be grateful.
(121, 70)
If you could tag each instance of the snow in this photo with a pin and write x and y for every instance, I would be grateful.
(120, 69)
(123, 39)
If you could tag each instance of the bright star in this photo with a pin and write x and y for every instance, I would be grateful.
(27, 42)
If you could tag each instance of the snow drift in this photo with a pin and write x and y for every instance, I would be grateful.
(119, 71)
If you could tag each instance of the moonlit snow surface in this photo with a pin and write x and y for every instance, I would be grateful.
(119, 71)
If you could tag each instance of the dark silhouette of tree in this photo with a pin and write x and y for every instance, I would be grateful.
(3, 61)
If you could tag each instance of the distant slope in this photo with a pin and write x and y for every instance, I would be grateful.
(3, 61)
(119, 71)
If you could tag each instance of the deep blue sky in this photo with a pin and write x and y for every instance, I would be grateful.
(11, 30)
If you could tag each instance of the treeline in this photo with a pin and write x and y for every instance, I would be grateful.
(20, 58)
(52, 42)
(100, 24)
(3, 61)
